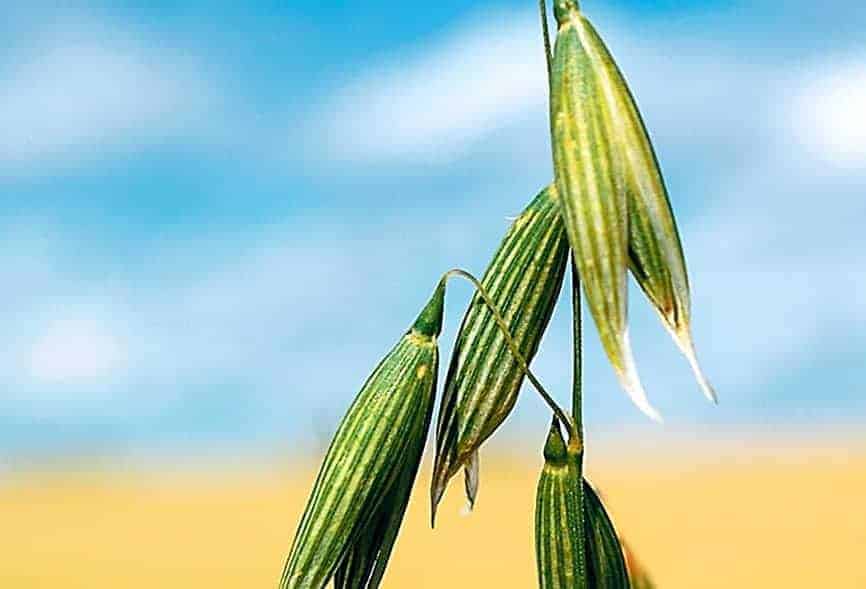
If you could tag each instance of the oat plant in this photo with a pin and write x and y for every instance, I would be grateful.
(605, 215)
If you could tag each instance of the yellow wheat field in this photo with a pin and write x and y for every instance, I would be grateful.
(782, 520)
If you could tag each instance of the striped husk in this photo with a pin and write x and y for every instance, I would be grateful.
(560, 544)
(606, 565)
(593, 199)
(365, 564)
(655, 248)
(357, 504)
(523, 280)
(575, 541)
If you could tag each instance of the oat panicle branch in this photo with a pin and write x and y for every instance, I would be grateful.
(607, 215)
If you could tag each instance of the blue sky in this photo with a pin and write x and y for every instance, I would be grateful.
(215, 217)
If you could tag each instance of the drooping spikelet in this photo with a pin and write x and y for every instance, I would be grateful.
(575, 541)
(655, 252)
(357, 504)
(590, 177)
(605, 558)
(560, 544)
(523, 281)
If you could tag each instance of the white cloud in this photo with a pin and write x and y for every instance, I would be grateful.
(484, 80)
(63, 337)
(76, 352)
(268, 313)
(436, 100)
(85, 91)
(829, 114)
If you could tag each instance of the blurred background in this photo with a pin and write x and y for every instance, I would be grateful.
(215, 218)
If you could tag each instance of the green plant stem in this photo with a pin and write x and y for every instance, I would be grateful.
(577, 330)
(545, 29)
(576, 443)
(512, 346)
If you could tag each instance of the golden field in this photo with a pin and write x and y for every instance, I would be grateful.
(788, 519)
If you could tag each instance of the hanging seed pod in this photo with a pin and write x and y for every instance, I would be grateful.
(523, 281)
(365, 564)
(606, 564)
(655, 249)
(560, 544)
(590, 178)
(359, 498)
(575, 546)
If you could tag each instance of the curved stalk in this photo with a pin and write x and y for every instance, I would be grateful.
(512, 346)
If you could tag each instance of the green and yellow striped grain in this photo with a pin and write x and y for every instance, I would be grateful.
(655, 249)
(590, 177)
(523, 280)
(606, 564)
(559, 530)
(575, 541)
(378, 442)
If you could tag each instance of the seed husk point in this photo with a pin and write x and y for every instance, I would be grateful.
(357, 504)
(593, 197)
(484, 376)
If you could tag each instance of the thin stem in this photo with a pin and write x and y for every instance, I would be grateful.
(577, 412)
(545, 29)
(577, 327)
(512, 346)
(548, 58)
